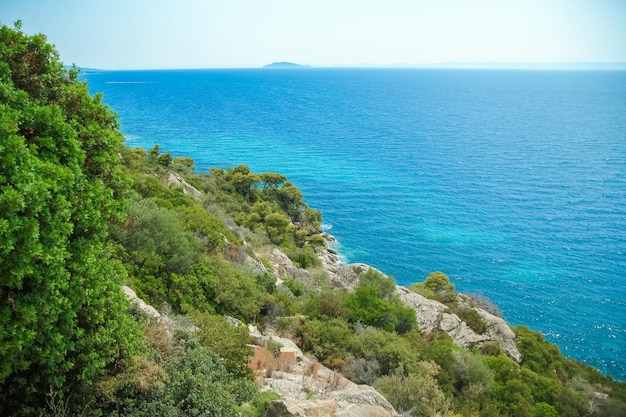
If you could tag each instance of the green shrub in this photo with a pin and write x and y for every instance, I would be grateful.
(472, 318)
(200, 385)
(437, 286)
(416, 394)
(296, 288)
(368, 308)
(229, 342)
(330, 341)
(393, 353)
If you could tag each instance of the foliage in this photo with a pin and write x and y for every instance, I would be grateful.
(472, 318)
(330, 341)
(80, 214)
(416, 394)
(437, 286)
(539, 355)
(62, 314)
(392, 353)
(373, 303)
(230, 342)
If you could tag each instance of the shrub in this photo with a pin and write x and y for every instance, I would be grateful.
(437, 286)
(472, 318)
(330, 341)
(394, 354)
(416, 394)
(367, 307)
(231, 343)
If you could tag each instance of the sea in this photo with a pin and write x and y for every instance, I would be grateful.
(511, 182)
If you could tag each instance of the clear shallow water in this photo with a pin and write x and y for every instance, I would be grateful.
(513, 183)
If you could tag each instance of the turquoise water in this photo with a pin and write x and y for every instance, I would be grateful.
(513, 183)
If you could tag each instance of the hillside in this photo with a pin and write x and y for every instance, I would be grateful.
(134, 286)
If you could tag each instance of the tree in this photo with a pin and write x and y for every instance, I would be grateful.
(272, 179)
(440, 285)
(62, 312)
(242, 180)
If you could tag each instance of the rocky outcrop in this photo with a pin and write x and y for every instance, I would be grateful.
(147, 309)
(347, 277)
(283, 266)
(307, 388)
(330, 260)
(435, 316)
(178, 181)
(324, 408)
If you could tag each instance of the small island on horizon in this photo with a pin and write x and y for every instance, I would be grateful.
(284, 65)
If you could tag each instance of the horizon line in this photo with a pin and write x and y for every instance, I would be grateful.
(521, 65)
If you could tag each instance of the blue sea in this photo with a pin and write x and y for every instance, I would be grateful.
(513, 183)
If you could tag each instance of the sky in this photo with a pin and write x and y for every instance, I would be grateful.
(151, 34)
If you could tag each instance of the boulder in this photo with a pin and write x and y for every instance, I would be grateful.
(147, 309)
(330, 260)
(324, 408)
(348, 276)
(178, 181)
(284, 267)
(429, 312)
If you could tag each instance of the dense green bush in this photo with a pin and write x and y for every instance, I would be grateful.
(63, 316)
(373, 303)
(330, 341)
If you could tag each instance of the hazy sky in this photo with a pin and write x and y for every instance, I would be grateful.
(116, 34)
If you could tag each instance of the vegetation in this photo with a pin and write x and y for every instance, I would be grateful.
(80, 215)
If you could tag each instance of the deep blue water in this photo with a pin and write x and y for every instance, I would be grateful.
(513, 183)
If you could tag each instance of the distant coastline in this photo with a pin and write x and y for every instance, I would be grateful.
(540, 66)
(284, 65)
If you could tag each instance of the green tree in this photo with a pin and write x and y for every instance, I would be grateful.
(62, 312)
(242, 180)
(271, 180)
(437, 286)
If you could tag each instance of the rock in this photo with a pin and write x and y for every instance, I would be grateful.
(147, 309)
(432, 316)
(178, 181)
(330, 261)
(253, 264)
(461, 333)
(324, 408)
(363, 395)
(429, 312)
(348, 276)
(284, 267)
(500, 331)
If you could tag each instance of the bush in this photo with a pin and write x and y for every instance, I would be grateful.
(231, 343)
(416, 394)
(367, 307)
(392, 353)
(472, 318)
(200, 385)
(330, 341)
(437, 286)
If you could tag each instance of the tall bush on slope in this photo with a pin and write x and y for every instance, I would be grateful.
(61, 307)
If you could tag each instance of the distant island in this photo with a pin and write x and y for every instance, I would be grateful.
(284, 65)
